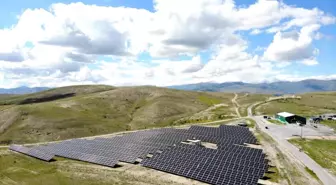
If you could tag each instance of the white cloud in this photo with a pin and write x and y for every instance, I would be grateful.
(261, 14)
(255, 32)
(178, 30)
(103, 31)
(282, 64)
(68, 45)
(13, 56)
(181, 66)
(310, 62)
(233, 63)
(9, 47)
(2, 77)
(292, 45)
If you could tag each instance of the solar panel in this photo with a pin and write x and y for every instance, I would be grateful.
(39, 154)
(230, 163)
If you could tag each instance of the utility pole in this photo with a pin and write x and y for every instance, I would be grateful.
(301, 125)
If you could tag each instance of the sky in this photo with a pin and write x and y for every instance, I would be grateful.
(165, 42)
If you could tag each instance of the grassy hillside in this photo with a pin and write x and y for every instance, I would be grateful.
(245, 100)
(100, 110)
(310, 104)
(5, 96)
(330, 123)
(53, 94)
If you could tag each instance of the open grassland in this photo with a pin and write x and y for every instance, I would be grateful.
(311, 172)
(213, 113)
(250, 122)
(273, 174)
(277, 122)
(329, 123)
(309, 104)
(322, 151)
(5, 96)
(53, 94)
(104, 110)
(245, 100)
(19, 169)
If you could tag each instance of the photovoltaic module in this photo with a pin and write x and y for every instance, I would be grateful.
(230, 163)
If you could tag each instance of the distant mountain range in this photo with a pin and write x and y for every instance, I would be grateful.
(269, 88)
(263, 88)
(22, 90)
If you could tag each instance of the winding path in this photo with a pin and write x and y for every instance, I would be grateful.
(236, 105)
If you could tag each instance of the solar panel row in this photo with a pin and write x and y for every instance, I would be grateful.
(216, 166)
(33, 152)
(230, 163)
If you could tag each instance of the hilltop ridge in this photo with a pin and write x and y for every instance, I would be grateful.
(281, 87)
(78, 111)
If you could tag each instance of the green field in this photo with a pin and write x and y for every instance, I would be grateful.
(102, 110)
(245, 100)
(76, 90)
(312, 173)
(277, 122)
(273, 174)
(322, 151)
(209, 100)
(329, 123)
(19, 169)
(251, 122)
(310, 104)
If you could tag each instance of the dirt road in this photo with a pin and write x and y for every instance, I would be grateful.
(236, 105)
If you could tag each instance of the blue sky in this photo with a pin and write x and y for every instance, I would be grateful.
(126, 42)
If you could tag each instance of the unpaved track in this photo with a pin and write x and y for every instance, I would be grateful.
(236, 105)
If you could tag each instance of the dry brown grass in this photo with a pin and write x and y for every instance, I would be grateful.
(245, 100)
(119, 109)
(310, 104)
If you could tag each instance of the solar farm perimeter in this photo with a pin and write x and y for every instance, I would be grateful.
(170, 150)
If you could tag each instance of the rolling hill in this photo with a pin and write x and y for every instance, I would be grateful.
(264, 88)
(309, 104)
(79, 111)
(281, 87)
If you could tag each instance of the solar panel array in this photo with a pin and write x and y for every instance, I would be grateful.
(230, 163)
(33, 152)
(237, 165)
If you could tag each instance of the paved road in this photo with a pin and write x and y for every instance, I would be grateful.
(281, 133)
